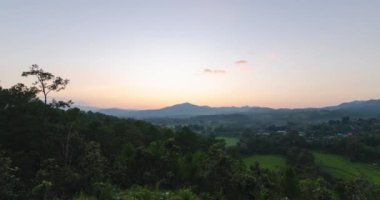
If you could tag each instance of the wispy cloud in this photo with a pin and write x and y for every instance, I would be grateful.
(238, 66)
(243, 65)
(214, 71)
(241, 62)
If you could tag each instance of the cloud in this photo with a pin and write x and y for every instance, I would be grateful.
(214, 71)
(243, 65)
(241, 62)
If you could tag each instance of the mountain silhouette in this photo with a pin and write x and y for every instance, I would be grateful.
(359, 109)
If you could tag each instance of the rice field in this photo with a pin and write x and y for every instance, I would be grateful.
(230, 141)
(342, 167)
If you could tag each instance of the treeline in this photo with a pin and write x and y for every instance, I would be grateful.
(357, 139)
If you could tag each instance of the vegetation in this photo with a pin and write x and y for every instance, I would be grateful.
(343, 168)
(141, 193)
(51, 151)
(46, 82)
(272, 162)
(230, 141)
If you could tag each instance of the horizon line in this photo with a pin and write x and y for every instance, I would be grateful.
(251, 106)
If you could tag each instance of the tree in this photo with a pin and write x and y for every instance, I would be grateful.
(316, 189)
(46, 82)
(291, 184)
(93, 164)
(360, 188)
(8, 179)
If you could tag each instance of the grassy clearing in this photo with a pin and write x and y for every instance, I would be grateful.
(272, 162)
(230, 141)
(342, 167)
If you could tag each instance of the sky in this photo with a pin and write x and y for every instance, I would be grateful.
(150, 54)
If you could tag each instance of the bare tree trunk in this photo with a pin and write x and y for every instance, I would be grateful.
(45, 109)
(45, 95)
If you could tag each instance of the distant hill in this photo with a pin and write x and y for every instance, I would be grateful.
(184, 110)
(370, 108)
(116, 112)
(356, 109)
(189, 113)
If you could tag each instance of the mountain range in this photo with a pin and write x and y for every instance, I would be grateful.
(355, 109)
(183, 110)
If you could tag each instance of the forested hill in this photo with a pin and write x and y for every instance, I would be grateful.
(50, 153)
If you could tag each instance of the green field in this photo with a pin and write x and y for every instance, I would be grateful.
(230, 141)
(272, 162)
(342, 167)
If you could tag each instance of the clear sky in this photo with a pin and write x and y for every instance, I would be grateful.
(150, 54)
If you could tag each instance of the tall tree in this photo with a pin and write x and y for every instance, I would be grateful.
(46, 82)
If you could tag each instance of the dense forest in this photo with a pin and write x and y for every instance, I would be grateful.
(51, 151)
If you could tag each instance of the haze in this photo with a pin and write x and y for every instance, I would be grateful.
(150, 54)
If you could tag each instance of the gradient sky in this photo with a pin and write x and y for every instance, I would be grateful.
(150, 54)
